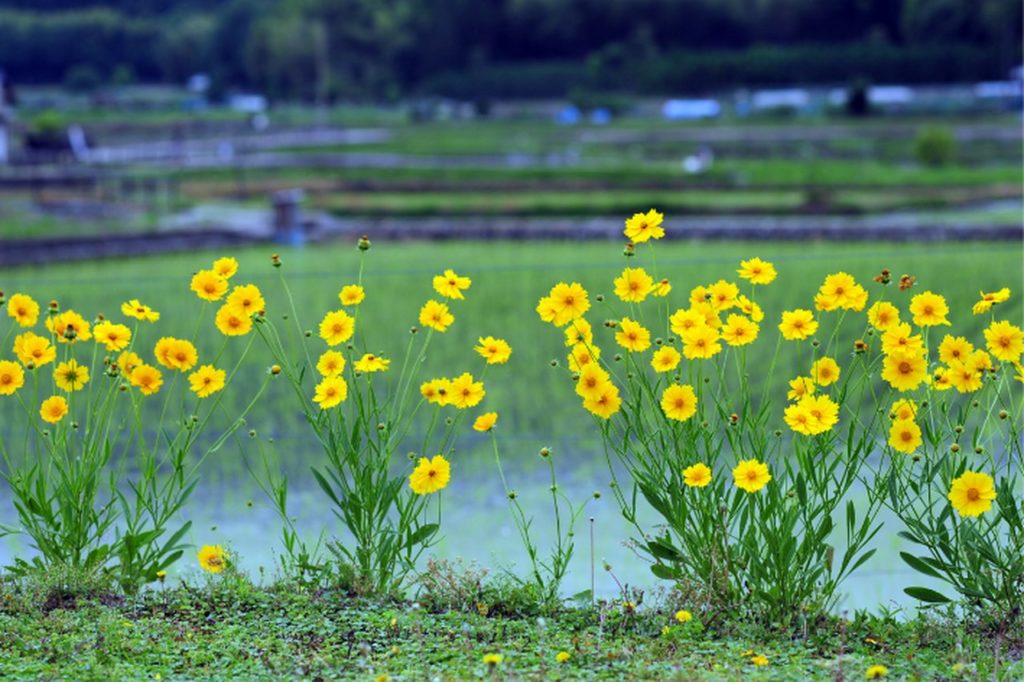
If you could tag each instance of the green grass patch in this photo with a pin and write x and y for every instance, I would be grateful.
(227, 629)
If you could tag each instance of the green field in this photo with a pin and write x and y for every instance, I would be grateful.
(509, 278)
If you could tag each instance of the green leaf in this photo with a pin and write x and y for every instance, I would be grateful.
(663, 549)
(919, 565)
(926, 595)
(422, 534)
(664, 572)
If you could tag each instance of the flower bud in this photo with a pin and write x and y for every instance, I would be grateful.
(2, 299)
(954, 447)
(630, 250)
(252, 433)
(554, 363)
(511, 494)
(30, 366)
(275, 370)
(979, 450)
(597, 494)
(275, 260)
(54, 307)
(617, 357)
(958, 429)
(599, 298)
(545, 452)
(307, 333)
(1003, 414)
(364, 243)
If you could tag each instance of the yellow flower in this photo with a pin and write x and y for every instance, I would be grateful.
(23, 309)
(757, 271)
(212, 558)
(883, 315)
(591, 381)
(972, 493)
(904, 408)
(352, 294)
(644, 226)
(53, 409)
(980, 360)
(876, 672)
(840, 290)
(246, 300)
(905, 371)
(905, 436)
(679, 402)
(582, 355)
(451, 285)
(954, 348)
(941, 379)
(12, 377)
(33, 349)
(739, 330)
(723, 295)
(372, 363)
(633, 285)
(226, 267)
(337, 327)
(207, 380)
(665, 359)
(465, 392)
(812, 415)
(697, 476)
(127, 361)
(331, 392)
(1005, 341)
(662, 288)
(749, 308)
(230, 322)
(546, 309)
(430, 475)
(495, 351)
(485, 422)
(568, 302)
(208, 285)
(436, 315)
(684, 616)
(685, 319)
(898, 339)
(759, 660)
(929, 309)
(751, 475)
(146, 378)
(493, 659)
(633, 336)
(331, 363)
(825, 371)
(139, 311)
(989, 300)
(701, 343)
(437, 391)
(562, 656)
(114, 336)
(605, 402)
(69, 376)
(797, 324)
(69, 327)
(799, 387)
(579, 331)
(964, 377)
(176, 354)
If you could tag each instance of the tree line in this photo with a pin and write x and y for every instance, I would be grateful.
(326, 49)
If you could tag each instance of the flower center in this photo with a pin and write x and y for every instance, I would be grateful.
(973, 494)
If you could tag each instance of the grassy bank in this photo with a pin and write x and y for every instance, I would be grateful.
(226, 629)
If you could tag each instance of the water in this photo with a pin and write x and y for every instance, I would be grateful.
(477, 527)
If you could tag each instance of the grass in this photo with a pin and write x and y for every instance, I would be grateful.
(225, 628)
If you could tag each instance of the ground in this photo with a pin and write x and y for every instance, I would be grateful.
(227, 629)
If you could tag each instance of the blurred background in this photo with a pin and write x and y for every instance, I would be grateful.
(140, 139)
